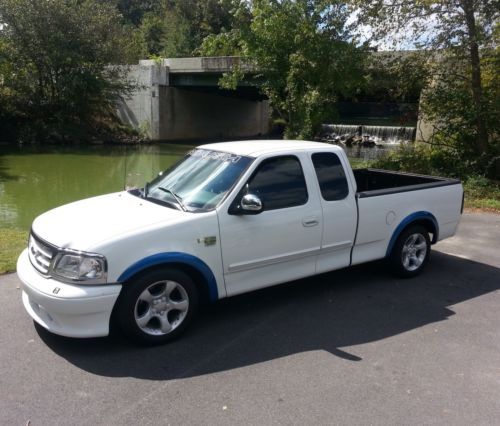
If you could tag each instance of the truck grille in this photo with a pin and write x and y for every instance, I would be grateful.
(40, 254)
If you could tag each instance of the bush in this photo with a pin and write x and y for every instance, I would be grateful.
(480, 191)
(419, 158)
(54, 65)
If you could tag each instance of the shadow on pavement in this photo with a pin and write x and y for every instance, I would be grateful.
(335, 310)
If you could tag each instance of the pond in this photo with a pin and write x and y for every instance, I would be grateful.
(34, 179)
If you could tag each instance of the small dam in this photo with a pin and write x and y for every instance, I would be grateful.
(367, 136)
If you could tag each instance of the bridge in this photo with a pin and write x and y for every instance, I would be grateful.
(180, 99)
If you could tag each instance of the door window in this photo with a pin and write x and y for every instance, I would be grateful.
(279, 183)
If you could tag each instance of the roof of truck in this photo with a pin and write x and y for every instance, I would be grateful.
(256, 148)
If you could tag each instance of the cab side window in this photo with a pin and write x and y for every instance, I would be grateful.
(279, 183)
(331, 176)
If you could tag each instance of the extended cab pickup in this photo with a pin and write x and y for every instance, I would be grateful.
(227, 219)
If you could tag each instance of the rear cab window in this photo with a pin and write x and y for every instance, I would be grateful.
(331, 176)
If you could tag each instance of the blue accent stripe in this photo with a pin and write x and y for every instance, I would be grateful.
(174, 257)
(417, 216)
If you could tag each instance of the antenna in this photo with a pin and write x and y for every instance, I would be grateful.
(125, 171)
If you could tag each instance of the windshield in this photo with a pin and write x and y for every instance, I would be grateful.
(199, 182)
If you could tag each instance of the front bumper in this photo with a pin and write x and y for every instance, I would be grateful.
(66, 309)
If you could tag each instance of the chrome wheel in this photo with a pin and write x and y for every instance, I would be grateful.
(414, 252)
(161, 308)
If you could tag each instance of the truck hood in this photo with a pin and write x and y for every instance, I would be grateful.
(84, 224)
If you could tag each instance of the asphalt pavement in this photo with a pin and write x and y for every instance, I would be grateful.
(356, 346)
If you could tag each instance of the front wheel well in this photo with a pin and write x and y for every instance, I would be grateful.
(201, 283)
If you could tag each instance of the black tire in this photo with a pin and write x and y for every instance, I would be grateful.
(407, 260)
(149, 302)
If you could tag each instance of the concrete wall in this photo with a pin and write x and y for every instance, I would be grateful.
(161, 112)
(139, 110)
(218, 64)
(425, 130)
(425, 127)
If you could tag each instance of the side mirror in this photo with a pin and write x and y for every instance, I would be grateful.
(251, 204)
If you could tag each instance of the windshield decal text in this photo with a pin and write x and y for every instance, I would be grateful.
(215, 155)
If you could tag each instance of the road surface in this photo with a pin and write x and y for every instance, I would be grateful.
(350, 347)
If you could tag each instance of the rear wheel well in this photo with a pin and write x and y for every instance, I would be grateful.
(429, 226)
(426, 221)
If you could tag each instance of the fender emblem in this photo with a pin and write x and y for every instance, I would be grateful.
(208, 241)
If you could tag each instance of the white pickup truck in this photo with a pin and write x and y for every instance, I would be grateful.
(227, 219)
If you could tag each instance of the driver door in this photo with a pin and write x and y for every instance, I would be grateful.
(279, 243)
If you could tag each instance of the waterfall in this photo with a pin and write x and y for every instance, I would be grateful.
(389, 134)
(378, 134)
(340, 129)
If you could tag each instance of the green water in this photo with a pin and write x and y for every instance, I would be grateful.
(36, 179)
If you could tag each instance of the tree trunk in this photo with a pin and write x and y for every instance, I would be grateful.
(475, 64)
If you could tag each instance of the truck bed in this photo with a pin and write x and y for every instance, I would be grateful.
(375, 182)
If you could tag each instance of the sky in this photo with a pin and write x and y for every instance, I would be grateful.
(402, 40)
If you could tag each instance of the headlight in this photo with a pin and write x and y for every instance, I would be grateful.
(82, 268)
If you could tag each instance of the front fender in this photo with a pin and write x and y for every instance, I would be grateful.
(174, 258)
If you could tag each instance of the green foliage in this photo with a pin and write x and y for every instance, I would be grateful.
(304, 53)
(176, 28)
(481, 192)
(153, 31)
(177, 39)
(133, 11)
(359, 163)
(460, 98)
(449, 106)
(430, 160)
(396, 76)
(58, 53)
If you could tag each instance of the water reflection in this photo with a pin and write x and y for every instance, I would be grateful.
(36, 179)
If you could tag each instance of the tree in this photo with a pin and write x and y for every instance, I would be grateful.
(152, 32)
(462, 40)
(303, 52)
(196, 19)
(177, 27)
(58, 54)
(6, 105)
(133, 11)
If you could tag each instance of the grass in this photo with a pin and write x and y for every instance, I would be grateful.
(358, 163)
(482, 194)
(12, 243)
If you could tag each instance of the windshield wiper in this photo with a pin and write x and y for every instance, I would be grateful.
(145, 190)
(176, 197)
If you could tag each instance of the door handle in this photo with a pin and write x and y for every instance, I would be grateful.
(310, 221)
